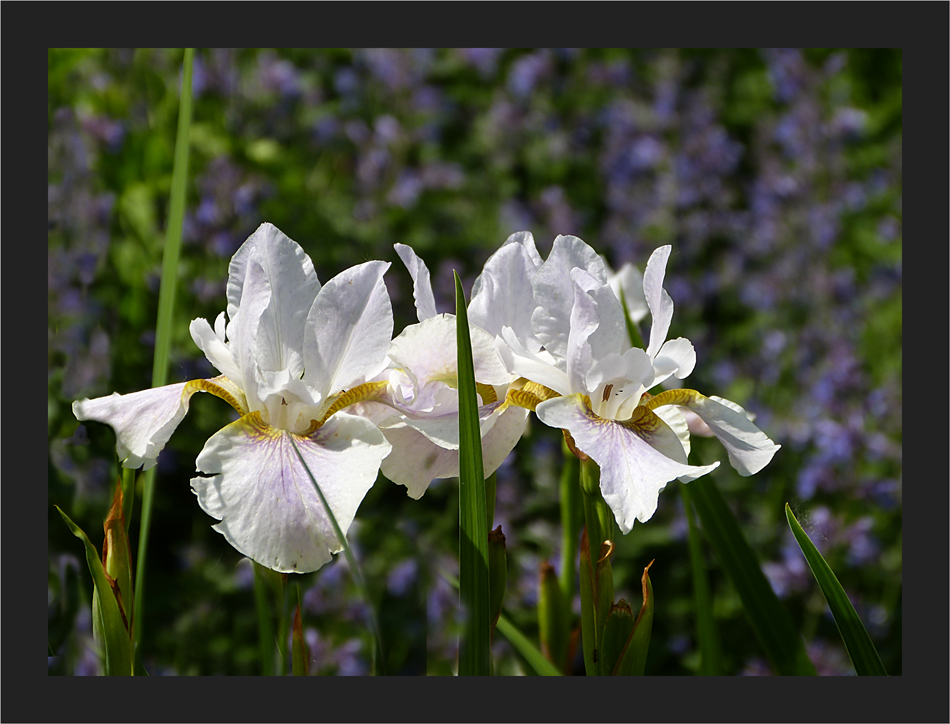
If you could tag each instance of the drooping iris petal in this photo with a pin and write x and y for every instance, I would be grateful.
(749, 448)
(660, 303)
(502, 295)
(416, 460)
(632, 470)
(349, 329)
(143, 421)
(266, 503)
(554, 291)
(421, 284)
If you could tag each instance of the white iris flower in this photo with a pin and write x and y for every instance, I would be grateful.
(292, 356)
(421, 420)
(589, 382)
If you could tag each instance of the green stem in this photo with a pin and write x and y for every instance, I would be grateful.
(570, 523)
(706, 636)
(166, 304)
(265, 625)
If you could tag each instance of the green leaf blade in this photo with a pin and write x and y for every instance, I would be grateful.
(861, 649)
(706, 635)
(474, 590)
(770, 621)
(117, 650)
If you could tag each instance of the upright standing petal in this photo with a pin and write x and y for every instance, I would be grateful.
(348, 329)
(266, 503)
(502, 295)
(660, 303)
(554, 291)
(421, 285)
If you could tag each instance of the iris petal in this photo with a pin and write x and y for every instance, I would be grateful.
(264, 499)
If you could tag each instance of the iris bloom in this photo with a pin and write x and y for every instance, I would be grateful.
(292, 356)
(419, 414)
(589, 382)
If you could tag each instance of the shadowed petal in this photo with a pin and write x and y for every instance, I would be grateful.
(660, 303)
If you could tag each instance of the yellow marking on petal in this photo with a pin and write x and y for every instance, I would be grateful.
(679, 396)
(255, 427)
(221, 387)
(487, 392)
(643, 421)
(529, 395)
(367, 392)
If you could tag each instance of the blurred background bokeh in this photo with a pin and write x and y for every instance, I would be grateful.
(775, 175)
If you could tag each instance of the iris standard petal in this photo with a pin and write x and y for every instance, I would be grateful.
(554, 290)
(421, 284)
(629, 281)
(502, 295)
(349, 329)
(429, 350)
(660, 303)
(143, 421)
(749, 448)
(284, 258)
(522, 363)
(632, 470)
(266, 503)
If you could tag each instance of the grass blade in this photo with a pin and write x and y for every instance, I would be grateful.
(475, 646)
(350, 559)
(706, 634)
(863, 655)
(166, 307)
(265, 623)
(773, 626)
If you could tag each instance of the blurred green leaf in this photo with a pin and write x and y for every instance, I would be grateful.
(860, 648)
(706, 634)
(780, 640)
(633, 660)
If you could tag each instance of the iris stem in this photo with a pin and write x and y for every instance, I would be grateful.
(570, 523)
(166, 306)
(265, 625)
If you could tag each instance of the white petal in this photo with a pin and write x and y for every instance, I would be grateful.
(143, 421)
(632, 470)
(610, 334)
(415, 461)
(267, 504)
(349, 329)
(554, 290)
(285, 256)
(522, 363)
(429, 350)
(629, 280)
(526, 240)
(421, 285)
(676, 357)
(749, 448)
(660, 303)
(214, 347)
(578, 355)
(677, 421)
(502, 294)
